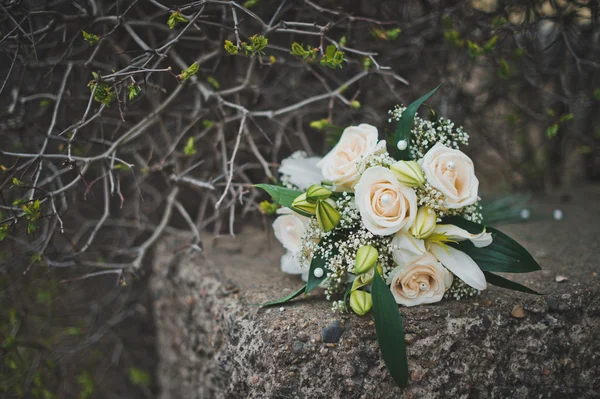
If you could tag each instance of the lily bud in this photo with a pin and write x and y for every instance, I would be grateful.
(424, 223)
(302, 204)
(365, 278)
(361, 302)
(366, 257)
(327, 216)
(317, 193)
(408, 173)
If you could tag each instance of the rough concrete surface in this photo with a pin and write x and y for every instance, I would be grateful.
(214, 344)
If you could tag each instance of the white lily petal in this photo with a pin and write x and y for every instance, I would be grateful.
(461, 264)
(302, 172)
(290, 265)
(455, 233)
(407, 248)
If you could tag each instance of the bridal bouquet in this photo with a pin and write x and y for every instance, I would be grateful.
(379, 227)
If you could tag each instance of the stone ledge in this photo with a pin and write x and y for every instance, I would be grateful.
(214, 343)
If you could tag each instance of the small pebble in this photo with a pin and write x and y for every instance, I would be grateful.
(525, 214)
(332, 333)
(297, 346)
(557, 214)
(281, 309)
(518, 312)
(560, 278)
(552, 304)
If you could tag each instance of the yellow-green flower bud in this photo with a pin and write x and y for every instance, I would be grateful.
(366, 278)
(361, 302)
(366, 257)
(327, 216)
(424, 223)
(408, 173)
(302, 204)
(317, 193)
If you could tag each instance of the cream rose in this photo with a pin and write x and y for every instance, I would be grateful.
(452, 173)
(385, 205)
(289, 227)
(423, 280)
(339, 165)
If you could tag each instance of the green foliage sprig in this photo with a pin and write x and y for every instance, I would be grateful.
(333, 58)
(176, 18)
(308, 54)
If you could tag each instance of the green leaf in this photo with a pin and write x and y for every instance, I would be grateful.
(286, 298)
(503, 255)
(190, 148)
(552, 130)
(189, 72)
(175, 18)
(17, 182)
(566, 117)
(505, 209)
(283, 196)
(313, 282)
(405, 124)
(213, 82)
(390, 331)
(134, 91)
(90, 37)
(330, 51)
(139, 377)
(498, 281)
(3, 232)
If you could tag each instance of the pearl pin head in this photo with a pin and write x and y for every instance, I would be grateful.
(385, 199)
(318, 272)
(451, 165)
(402, 145)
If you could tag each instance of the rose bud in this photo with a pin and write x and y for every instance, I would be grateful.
(317, 193)
(408, 173)
(361, 302)
(327, 216)
(424, 223)
(302, 204)
(366, 257)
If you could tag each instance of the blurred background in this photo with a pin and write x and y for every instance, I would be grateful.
(125, 120)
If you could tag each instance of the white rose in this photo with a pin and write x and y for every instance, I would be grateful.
(339, 165)
(452, 173)
(302, 172)
(423, 280)
(289, 228)
(385, 205)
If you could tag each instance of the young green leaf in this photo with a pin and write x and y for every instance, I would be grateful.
(213, 82)
(90, 37)
(175, 18)
(286, 298)
(3, 231)
(189, 72)
(405, 124)
(134, 91)
(390, 331)
(190, 148)
(503, 255)
(498, 281)
(139, 377)
(230, 47)
(17, 182)
(257, 44)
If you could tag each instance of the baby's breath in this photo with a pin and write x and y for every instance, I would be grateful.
(425, 133)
